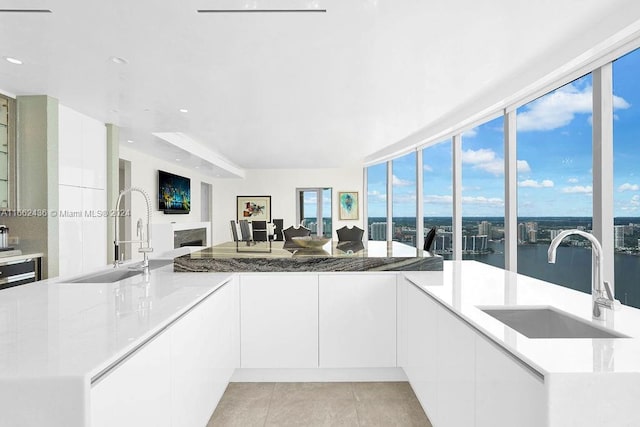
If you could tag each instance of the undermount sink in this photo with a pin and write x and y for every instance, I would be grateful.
(548, 322)
(118, 274)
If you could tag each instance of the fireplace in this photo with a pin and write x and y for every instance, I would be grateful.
(193, 237)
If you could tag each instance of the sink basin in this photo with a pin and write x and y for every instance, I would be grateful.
(548, 322)
(118, 274)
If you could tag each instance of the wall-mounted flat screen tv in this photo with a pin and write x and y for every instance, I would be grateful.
(174, 193)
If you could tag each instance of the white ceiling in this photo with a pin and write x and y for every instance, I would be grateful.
(270, 90)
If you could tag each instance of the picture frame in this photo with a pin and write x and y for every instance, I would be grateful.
(348, 205)
(253, 208)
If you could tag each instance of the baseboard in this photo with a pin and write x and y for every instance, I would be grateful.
(318, 375)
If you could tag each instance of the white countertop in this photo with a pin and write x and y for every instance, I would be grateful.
(55, 329)
(468, 284)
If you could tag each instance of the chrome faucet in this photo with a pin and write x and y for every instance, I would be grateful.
(601, 294)
(145, 247)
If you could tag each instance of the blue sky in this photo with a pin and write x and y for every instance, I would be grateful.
(554, 158)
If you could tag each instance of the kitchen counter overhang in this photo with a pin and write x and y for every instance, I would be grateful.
(288, 257)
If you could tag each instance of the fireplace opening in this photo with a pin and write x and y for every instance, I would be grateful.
(191, 243)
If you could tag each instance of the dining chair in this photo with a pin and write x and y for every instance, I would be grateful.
(346, 234)
(292, 232)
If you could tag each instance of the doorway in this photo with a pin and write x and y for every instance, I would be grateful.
(314, 210)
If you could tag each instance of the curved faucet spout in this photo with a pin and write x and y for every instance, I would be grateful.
(598, 286)
(145, 246)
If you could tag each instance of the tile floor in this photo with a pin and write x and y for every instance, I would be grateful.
(319, 404)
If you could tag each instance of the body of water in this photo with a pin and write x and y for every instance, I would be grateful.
(572, 268)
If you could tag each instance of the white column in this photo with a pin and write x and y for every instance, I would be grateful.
(365, 203)
(389, 201)
(510, 193)
(603, 165)
(419, 201)
(456, 146)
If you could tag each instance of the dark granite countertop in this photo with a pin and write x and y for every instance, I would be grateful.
(287, 256)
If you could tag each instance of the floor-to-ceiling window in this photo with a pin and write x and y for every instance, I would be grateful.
(483, 193)
(404, 199)
(437, 198)
(377, 201)
(554, 151)
(626, 177)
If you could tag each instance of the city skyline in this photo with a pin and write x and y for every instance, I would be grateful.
(554, 154)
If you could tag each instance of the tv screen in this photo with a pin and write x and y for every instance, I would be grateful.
(174, 193)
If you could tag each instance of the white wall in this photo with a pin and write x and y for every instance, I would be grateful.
(144, 174)
(281, 185)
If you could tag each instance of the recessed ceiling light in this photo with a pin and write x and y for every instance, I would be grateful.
(177, 160)
(130, 141)
(119, 60)
(13, 60)
(197, 167)
(184, 110)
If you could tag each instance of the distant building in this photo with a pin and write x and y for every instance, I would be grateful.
(533, 236)
(522, 233)
(618, 236)
(378, 231)
(554, 233)
(484, 229)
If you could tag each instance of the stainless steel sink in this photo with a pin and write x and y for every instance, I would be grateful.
(118, 274)
(548, 322)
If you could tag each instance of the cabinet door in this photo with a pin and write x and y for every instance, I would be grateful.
(70, 231)
(138, 392)
(94, 153)
(69, 147)
(455, 371)
(357, 320)
(279, 320)
(203, 357)
(507, 394)
(94, 229)
(421, 359)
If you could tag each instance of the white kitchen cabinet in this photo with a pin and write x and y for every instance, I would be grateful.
(70, 231)
(203, 356)
(94, 229)
(138, 391)
(69, 147)
(357, 320)
(279, 320)
(507, 394)
(421, 365)
(455, 367)
(94, 153)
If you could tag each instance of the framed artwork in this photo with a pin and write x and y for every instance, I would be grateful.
(348, 205)
(254, 208)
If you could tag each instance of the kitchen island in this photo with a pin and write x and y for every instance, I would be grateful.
(159, 350)
(334, 256)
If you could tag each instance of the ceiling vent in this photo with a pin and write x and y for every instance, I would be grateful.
(25, 11)
(261, 10)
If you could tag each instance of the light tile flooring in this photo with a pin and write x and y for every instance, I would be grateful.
(319, 404)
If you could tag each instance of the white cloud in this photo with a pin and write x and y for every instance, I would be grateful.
(629, 187)
(523, 166)
(481, 200)
(398, 182)
(376, 196)
(572, 180)
(470, 133)
(427, 168)
(435, 199)
(635, 200)
(559, 108)
(585, 189)
(484, 159)
(532, 183)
